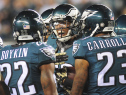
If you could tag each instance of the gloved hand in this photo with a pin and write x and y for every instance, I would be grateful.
(61, 74)
(61, 57)
(60, 79)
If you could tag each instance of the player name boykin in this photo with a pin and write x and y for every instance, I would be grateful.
(14, 53)
(106, 43)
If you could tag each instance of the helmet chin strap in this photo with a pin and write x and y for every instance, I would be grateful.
(97, 26)
(39, 35)
(15, 36)
(64, 39)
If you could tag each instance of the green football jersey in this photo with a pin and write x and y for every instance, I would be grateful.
(20, 66)
(107, 63)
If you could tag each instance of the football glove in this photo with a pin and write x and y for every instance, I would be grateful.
(60, 58)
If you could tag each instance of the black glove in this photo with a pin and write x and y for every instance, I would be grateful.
(60, 57)
(60, 79)
(61, 74)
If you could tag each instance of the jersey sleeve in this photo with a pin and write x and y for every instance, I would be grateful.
(79, 50)
(46, 55)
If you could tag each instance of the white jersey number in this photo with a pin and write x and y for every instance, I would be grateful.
(107, 67)
(22, 78)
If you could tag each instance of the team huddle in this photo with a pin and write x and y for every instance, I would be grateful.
(65, 52)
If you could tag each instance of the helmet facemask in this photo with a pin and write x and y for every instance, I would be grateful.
(62, 29)
(46, 32)
(46, 17)
(64, 15)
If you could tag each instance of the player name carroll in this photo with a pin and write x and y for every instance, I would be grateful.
(108, 43)
(14, 53)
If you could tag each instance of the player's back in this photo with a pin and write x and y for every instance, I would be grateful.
(107, 64)
(20, 67)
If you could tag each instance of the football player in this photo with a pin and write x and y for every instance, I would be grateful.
(28, 66)
(120, 24)
(63, 28)
(100, 57)
(4, 90)
(46, 17)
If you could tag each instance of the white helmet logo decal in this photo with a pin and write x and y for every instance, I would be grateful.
(87, 14)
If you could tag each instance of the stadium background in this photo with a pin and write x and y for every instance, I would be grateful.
(10, 8)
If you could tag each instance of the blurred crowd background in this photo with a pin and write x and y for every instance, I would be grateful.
(10, 8)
